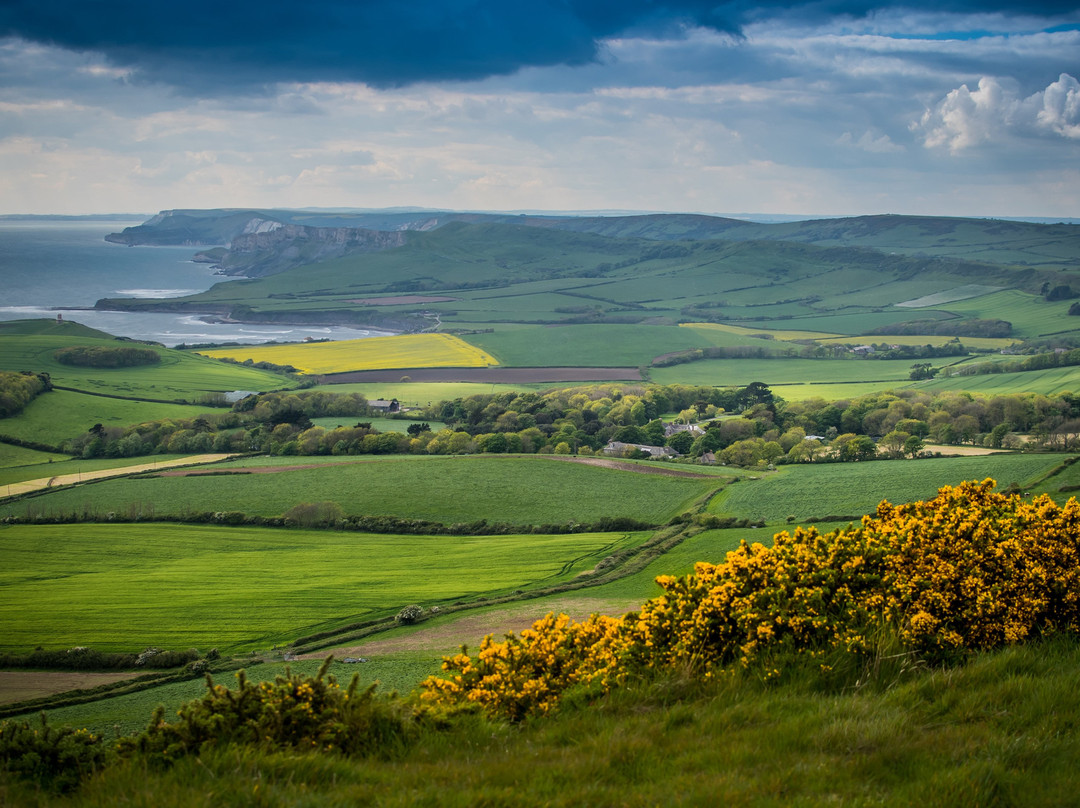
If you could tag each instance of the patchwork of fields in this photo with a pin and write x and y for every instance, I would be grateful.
(537, 307)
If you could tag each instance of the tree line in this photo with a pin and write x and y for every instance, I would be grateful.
(102, 356)
(19, 389)
(738, 425)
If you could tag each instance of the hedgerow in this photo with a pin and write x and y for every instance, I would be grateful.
(968, 570)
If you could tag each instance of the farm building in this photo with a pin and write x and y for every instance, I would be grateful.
(693, 429)
(618, 449)
(382, 405)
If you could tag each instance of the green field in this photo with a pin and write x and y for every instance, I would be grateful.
(62, 414)
(816, 373)
(456, 489)
(1047, 382)
(812, 491)
(179, 375)
(16, 456)
(124, 587)
(405, 671)
(599, 345)
(1030, 315)
(381, 424)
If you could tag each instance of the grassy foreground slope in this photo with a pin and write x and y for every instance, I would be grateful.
(1000, 730)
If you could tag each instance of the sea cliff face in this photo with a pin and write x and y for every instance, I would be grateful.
(252, 244)
(266, 247)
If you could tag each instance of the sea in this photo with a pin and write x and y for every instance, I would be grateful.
(50, 268)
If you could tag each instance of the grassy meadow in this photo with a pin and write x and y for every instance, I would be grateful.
(807, 372)
(63, 414)
(123, 587)
(455, 489)
(595, 345)
(816, 490)
(421, 394)
(179, 376)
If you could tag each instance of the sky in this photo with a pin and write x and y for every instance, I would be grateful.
(815, 108)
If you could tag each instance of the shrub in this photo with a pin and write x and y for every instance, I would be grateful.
(314, 514)
(303, 713)
(409, 615)
(969, 569)
(55, 759)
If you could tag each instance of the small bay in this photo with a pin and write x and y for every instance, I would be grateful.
(50, 268)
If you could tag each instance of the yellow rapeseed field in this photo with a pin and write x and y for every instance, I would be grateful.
(373, 353)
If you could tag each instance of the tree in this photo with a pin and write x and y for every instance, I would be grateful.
(922, 370)
(681, 442)
(896, 442)
(859, 448)
(913, 445)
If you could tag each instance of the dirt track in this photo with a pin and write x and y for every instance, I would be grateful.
(447, 636)
(15, 489)
(24, 685)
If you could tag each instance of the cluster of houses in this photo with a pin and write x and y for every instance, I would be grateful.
(619, 449)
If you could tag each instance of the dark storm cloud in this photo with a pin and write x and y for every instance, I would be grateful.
(203, 45)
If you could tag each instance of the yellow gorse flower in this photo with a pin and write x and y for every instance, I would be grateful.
(968, 569)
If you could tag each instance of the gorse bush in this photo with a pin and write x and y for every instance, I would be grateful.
(51, 758)
(303, 713)
(969, 569)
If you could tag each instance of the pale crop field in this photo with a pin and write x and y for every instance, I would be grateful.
(775, 333)
(373, 353)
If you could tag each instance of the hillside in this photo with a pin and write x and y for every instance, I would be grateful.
(480, 275)
(1052, 247)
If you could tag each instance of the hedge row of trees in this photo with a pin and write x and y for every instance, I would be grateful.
(19, 389)
(742, 426)
(102, 356)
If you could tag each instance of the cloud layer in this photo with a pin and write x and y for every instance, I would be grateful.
(208, 46)
(827, 107)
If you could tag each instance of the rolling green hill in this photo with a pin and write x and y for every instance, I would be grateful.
(490, 274)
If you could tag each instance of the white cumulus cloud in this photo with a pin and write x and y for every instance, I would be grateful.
(965, 118)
